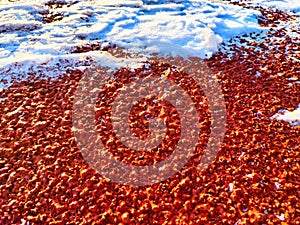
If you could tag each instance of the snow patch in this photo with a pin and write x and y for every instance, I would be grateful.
(293, 117)
(285, 5)
(281, 217)
(197, 26)
(230, 187)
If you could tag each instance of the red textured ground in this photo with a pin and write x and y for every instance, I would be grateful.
(45, 180)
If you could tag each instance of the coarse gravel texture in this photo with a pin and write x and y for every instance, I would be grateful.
(254, 179)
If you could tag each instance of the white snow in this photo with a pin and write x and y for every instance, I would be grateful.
(293, 117)
(286, 5)
(24, 222)
(281, 217)
(241, 155)
(277, 185)
(55, 66)
(196, 26)
(250, 175)
(230, 187)
(29, 44)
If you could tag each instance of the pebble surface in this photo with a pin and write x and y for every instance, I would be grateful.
(254, 179)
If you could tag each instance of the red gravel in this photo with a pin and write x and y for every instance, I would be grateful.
(45, 180)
